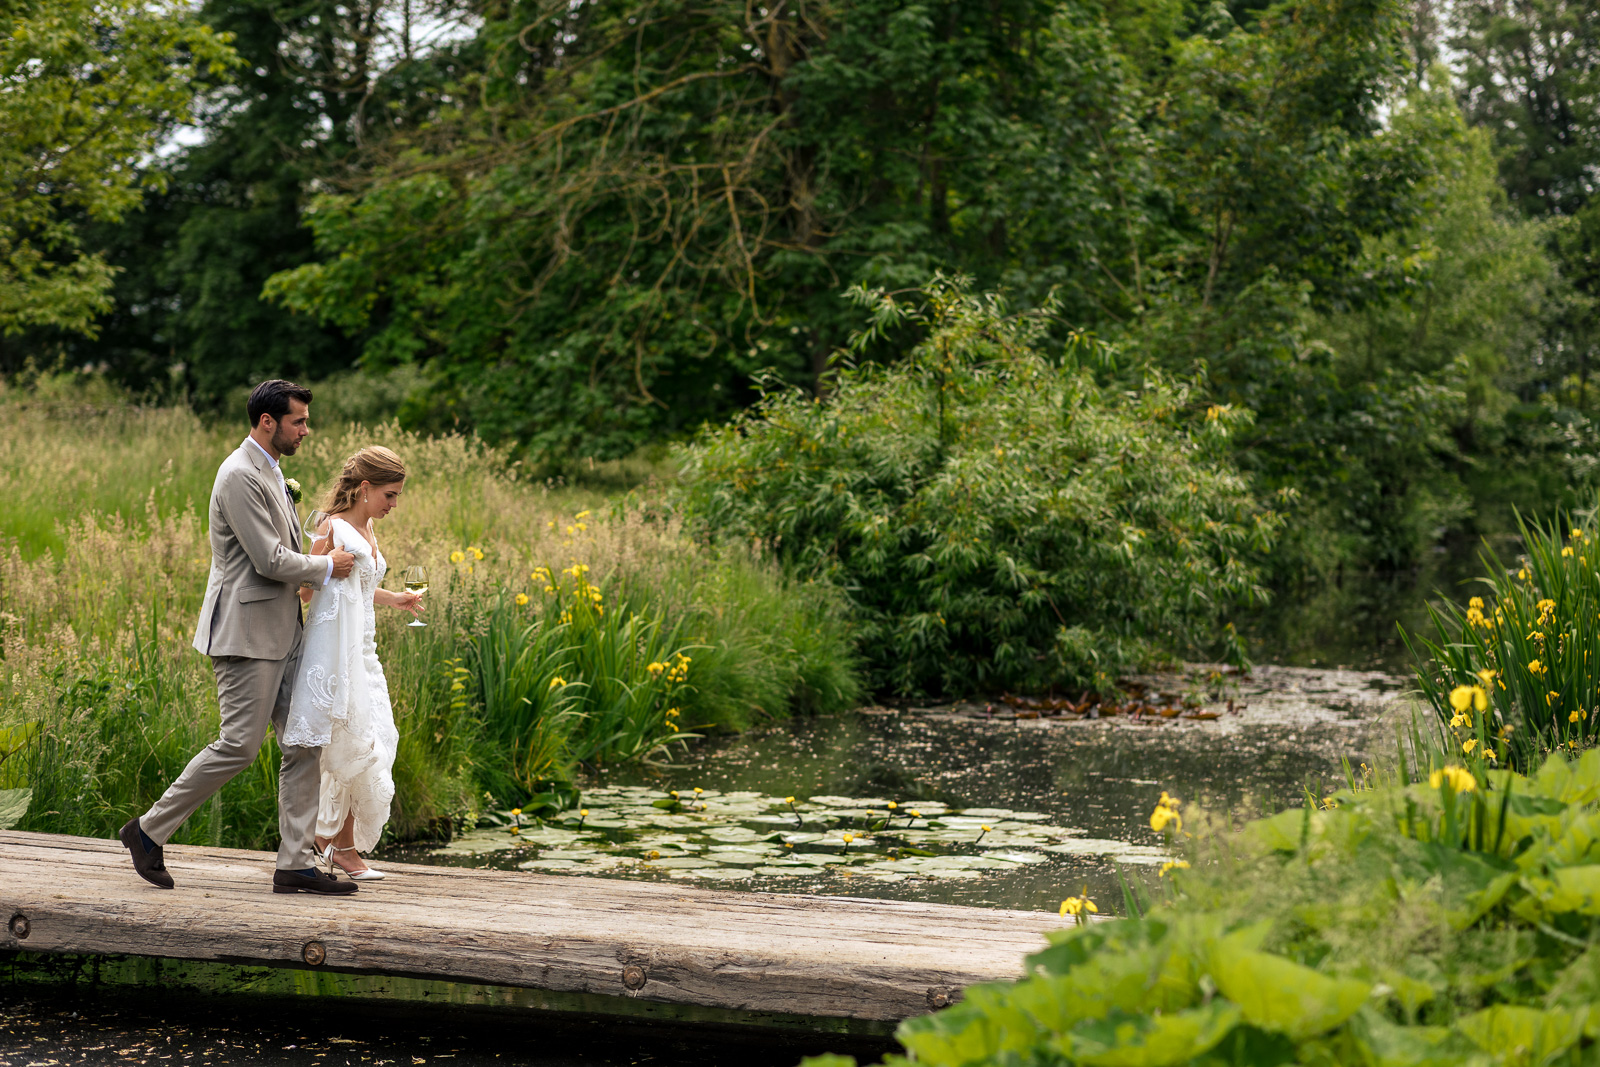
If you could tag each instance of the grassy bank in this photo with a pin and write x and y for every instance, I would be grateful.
(103, 561)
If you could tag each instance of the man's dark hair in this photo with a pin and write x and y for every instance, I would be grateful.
(272, 398)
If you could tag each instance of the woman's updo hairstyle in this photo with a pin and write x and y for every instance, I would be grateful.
(373, 464)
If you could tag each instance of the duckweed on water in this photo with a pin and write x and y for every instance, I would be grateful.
(639, 832)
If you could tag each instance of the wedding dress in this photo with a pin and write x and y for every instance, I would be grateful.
(341, 700)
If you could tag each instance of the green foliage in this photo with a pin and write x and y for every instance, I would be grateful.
(620, 241)
(91, 87)
(565, 680)
(1520, 664)
(996, 518)
(1531, 74)
(103, 701)
(1444, 920)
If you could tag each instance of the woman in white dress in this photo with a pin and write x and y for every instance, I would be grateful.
(341, 700)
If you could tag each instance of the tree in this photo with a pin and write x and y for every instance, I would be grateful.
(1530, 73)
(222, 215)
(89, 89)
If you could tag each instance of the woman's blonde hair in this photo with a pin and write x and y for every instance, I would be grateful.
(374, 464)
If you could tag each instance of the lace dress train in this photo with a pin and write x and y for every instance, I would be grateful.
(341, 699)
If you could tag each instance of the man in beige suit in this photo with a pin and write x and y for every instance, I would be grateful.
(250, 627)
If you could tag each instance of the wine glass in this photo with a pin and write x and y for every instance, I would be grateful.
(314, 520)
(416, 582)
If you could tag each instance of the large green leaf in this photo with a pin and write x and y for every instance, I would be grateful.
(1281, 995)
(1523, 1037)
(984, 1024)
(1578, 986)
(1071, 947)
(1282, 831)
(1126, 1040)
(1472, 883)
(13, 806)
(1390, 1045)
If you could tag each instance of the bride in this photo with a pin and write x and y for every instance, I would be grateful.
(341, 700)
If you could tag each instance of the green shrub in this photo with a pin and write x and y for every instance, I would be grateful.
(1453, 919)
(1512, 675)
(995, 517)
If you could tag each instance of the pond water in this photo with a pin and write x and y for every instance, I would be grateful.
(990, 806)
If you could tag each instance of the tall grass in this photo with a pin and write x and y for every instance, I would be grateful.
(1513, 674)
(101, 581)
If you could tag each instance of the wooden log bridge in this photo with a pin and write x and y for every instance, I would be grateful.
(619, 946)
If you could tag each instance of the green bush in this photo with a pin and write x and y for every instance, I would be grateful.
(1513, 675)
(996, 518)
(1452, 919)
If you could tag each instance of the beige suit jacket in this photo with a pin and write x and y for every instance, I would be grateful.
(252, 605)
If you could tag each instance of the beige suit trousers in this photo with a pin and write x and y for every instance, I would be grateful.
(251, 693)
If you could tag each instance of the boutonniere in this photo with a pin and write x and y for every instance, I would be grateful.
(294, 489)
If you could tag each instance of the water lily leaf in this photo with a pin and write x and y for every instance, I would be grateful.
(841, 802)
(1523, 1035)
(737, 859)
(732, 833)
(548, 865)
(1121, 850)
(1278, 994)
(965, 863)
(478, 842)
(783, 819)
(684, 863)
(1125, 1040)
(13, 806)
(1018, 856)
(716, 874)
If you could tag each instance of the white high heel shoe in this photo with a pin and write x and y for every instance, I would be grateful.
(368, 875)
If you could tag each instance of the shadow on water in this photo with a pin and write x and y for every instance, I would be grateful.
(153, 1027)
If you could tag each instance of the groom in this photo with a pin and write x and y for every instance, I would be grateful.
(250, 627)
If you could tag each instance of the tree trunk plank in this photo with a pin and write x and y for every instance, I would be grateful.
(836, 957)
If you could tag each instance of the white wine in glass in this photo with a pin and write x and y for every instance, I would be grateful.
(416, 582)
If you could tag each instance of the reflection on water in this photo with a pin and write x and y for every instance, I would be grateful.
(1067, 803)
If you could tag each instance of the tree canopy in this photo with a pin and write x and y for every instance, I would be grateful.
(87, 90)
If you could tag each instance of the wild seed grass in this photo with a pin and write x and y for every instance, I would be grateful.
(103, 563)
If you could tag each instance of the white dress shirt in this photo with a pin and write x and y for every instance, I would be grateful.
(283, 487)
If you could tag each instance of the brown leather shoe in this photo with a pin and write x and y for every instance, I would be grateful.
(148, 862)
(320, 882)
